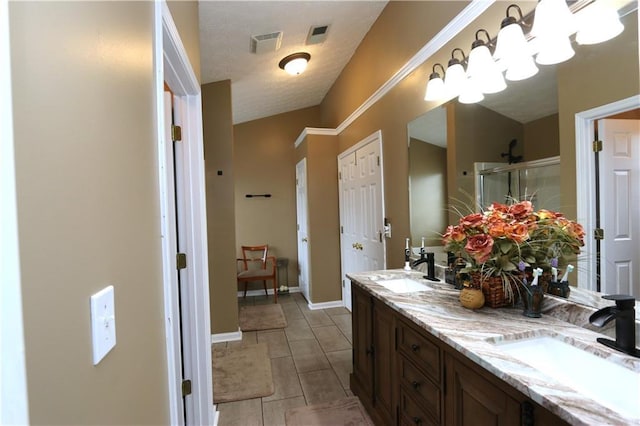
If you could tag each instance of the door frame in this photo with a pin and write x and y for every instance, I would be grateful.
(585, 172)
(364, 142)
(172, 65)
(303, 164)
(14, 405)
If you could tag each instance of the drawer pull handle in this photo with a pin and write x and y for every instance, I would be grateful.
(415, 385)
(417, 420)
(415, 347)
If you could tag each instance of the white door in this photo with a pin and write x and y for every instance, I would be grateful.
(620, 206)
(361, 211)
(303, 227)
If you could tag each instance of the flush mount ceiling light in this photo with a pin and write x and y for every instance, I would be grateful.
(295, 63)
(435, 86)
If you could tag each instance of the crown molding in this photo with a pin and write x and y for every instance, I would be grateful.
(453, 28)
(315, 131)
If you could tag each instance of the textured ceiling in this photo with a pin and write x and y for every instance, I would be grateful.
(259, 88)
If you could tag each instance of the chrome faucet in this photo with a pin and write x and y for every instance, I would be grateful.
(625, 315)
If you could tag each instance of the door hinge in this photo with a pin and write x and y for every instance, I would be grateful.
(181, 261)
(186, 388)
(341, 229)
(176, 133)
(598, 234)
(343, 283)
(339, 175)
(597, 146)
(380, 235)
(378, 160)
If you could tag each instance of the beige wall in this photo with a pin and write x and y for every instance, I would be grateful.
(264, 162)
(542, 138)
(398, 33)
(481, 135)
(185, 15)
(324, 221)
(428, 174)
(221, 237)
(88, 208)
(597, 75)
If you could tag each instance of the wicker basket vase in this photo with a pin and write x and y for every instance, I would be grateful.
(494, 289)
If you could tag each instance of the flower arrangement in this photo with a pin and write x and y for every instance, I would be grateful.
(505, 239)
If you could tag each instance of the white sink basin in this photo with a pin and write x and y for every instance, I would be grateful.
(403, 285)
(610, 384)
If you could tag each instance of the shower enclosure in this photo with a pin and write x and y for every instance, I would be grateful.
(537, 181)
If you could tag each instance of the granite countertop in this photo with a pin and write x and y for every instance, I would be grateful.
(474, 334)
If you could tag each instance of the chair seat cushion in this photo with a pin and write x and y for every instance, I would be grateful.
(258, 273)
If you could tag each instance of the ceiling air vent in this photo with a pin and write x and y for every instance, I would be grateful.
(264, 43)
(317, 34)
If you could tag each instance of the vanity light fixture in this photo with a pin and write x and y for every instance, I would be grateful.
(552, 25)
(597, 23)
(435, 86)
(455, 77)
(482, 69)
(513, 53)
(296, 63)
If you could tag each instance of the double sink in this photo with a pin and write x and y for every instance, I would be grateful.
(585, 368)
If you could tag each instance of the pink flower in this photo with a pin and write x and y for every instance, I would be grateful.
(479, 247)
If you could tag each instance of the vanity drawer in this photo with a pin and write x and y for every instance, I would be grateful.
(417, 385)
(412, 414)
(420, 350)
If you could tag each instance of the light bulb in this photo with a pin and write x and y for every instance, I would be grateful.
(454, 79)
(484, 71)
(435, 89)
(597, 23)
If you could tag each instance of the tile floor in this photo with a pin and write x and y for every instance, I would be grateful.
(310, 362)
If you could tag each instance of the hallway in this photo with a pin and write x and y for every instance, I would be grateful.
(310, 361)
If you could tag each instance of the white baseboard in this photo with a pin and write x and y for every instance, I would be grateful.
(215, 415)
(226, 337)
(326, 305)
(269, 291)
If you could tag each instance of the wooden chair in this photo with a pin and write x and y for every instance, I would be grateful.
(257, 265)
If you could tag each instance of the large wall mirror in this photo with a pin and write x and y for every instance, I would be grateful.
(446, 142)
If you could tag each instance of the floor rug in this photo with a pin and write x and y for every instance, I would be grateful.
(347, 411)
(261, 317)
(242, 372)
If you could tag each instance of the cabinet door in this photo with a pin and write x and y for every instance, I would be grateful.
(361, 317)
(474, 401)
(384, 333)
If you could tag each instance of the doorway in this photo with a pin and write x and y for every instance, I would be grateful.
(595, 269)
(362, 241)
(302, 227)
(172, 67)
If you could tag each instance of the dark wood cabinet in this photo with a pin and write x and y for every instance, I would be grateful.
(404, 375)
(373, 379)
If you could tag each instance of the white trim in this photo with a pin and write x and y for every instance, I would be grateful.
(14, 403)
(314, 131)
(326, 305)
(452, 29)
(233, 336)
(172, 65)
(295, 289)
(585, 181)
(364, 142)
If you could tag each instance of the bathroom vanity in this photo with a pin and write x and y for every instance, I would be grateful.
(421, 358)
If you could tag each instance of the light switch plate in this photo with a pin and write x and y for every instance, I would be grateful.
(103, 323)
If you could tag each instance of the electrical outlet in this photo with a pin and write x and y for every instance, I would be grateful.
(103, 323)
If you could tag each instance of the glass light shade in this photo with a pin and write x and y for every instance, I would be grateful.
(296, 66)
(597, 23)
(553, 50)
(435, 89)
(511, 42)
(454, 79)
(484, 71)
(521, 68)
(470, 94)
(553, 17)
